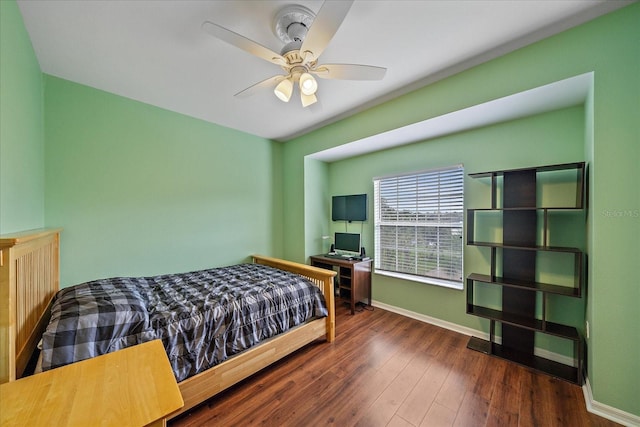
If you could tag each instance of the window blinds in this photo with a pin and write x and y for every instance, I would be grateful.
(418, 223)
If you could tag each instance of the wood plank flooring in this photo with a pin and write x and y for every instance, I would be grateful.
(388, 370)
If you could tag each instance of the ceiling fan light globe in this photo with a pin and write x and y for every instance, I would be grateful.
(283, 90)
(308, 84)
(308, 99)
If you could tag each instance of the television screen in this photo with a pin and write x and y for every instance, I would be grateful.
(347, 242)
(349, 208)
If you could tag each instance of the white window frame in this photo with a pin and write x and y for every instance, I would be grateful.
(437, 194)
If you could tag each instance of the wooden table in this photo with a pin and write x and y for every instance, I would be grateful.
(133, 387)
(354, 277)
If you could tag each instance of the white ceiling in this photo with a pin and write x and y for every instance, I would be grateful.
(156, 52)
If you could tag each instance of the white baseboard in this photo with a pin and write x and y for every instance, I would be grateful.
(427, 319)
(606, 411)
(594, 407)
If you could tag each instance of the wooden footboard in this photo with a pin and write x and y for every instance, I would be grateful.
(205, 385)
(29, 277)
(321, 277)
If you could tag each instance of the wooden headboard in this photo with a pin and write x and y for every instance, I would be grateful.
(29, 278)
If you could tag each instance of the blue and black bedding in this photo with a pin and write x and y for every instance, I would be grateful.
(202, 317)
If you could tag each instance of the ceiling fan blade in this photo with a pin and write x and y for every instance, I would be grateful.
(270, 82)
(243, 43)
(349, 72)
(324, 26)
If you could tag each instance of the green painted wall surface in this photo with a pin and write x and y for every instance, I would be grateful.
(589, 153)
(608, 47)
(294, 200)
(315, 200)
(614, 370)
(277, 201)
(141, 191)
(21, 126)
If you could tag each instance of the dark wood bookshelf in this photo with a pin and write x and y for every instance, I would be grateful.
(517, 252)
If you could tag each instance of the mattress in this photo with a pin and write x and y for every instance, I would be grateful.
(202, 317)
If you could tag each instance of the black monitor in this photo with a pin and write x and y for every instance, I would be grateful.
(349, 208)
(347, 242)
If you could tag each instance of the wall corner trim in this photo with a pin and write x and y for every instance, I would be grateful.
(606, 411)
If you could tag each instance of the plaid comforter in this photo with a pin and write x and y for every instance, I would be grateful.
(202, 317)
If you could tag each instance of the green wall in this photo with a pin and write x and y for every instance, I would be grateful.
(141, 191)
(608, 47)
(21, 127)
(316, 175)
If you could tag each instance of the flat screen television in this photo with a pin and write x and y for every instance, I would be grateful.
(349, 208)
(347, 243)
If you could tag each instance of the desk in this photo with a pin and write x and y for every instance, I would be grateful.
(354, 276)
(133, 387)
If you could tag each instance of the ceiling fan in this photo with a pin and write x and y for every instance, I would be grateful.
(304, 43)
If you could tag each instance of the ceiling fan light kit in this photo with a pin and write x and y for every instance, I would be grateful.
(308, 85)
(284, 89)
(308, 99)
(305, 36)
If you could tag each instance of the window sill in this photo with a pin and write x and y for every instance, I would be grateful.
(427, 280)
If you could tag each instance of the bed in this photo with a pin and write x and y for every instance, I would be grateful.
(29, 278)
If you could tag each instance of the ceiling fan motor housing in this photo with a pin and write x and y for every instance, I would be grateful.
(292, 23)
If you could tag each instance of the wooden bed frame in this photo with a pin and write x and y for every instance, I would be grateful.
(29, 278)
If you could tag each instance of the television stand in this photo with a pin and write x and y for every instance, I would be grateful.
(354, 277)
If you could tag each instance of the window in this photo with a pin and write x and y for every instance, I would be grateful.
(418, 226)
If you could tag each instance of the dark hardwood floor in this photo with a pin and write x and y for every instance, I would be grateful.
(388, 370)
